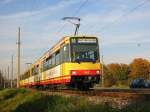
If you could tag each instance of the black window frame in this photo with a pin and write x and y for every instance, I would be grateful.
(57, 57)
(62, 58)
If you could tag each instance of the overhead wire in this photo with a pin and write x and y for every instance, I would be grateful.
(122, 16)
(80, 7)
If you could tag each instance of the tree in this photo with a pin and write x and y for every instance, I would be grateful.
(124, 71)
(119, 71)
(114, 73)
(1, 79)
(114, 70)
(140, 68)
(108, 77)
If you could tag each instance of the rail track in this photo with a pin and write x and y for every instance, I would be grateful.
(104, 92)
(114, 97)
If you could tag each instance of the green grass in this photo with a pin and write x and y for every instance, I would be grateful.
(11, 98)
(138, 106)
(25, 100)
(75, 104)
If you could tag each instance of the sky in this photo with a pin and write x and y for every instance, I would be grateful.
(122, 26)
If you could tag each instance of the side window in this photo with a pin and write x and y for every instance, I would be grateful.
(57, 57)
(66, 53)
(61, 55)
(28, 73)
(49, 62)
(32, 71)
(53, 60)
(44, 65)
(35, 70)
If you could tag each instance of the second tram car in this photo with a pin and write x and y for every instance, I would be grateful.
(73, 61)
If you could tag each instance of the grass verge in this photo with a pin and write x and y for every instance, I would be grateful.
(25, 100)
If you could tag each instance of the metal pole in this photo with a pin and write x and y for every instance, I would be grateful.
(4, 78)
(12, 71)
(18, 58)
(1, 77)
(102, 72)
(8, 77)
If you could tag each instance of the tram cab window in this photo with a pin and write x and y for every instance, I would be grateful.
(84, 50)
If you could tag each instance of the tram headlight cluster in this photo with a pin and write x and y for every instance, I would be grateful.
(73, 72)
(97, 72)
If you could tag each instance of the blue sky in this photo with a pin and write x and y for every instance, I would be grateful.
(123, 34)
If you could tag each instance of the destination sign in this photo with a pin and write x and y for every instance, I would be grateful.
(80, 40)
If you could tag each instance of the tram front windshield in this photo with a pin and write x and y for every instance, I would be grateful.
(84, 50)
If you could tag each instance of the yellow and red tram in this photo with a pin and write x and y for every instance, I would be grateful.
(73, 61)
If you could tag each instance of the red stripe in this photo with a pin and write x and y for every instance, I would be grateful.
(50, 81)
(84, 72)
(60, 81)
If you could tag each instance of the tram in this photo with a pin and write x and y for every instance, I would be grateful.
(73, 61)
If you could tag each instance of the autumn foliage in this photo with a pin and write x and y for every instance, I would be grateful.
(115, 73)
(140, 68)
(121, 73)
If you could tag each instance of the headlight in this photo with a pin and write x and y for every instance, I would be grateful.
(74, 72)
(97, 72)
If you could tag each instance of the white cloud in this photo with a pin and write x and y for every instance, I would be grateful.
(7, 1)
(126, 59)
(130, 38)
(97, 22)
(46, 11)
